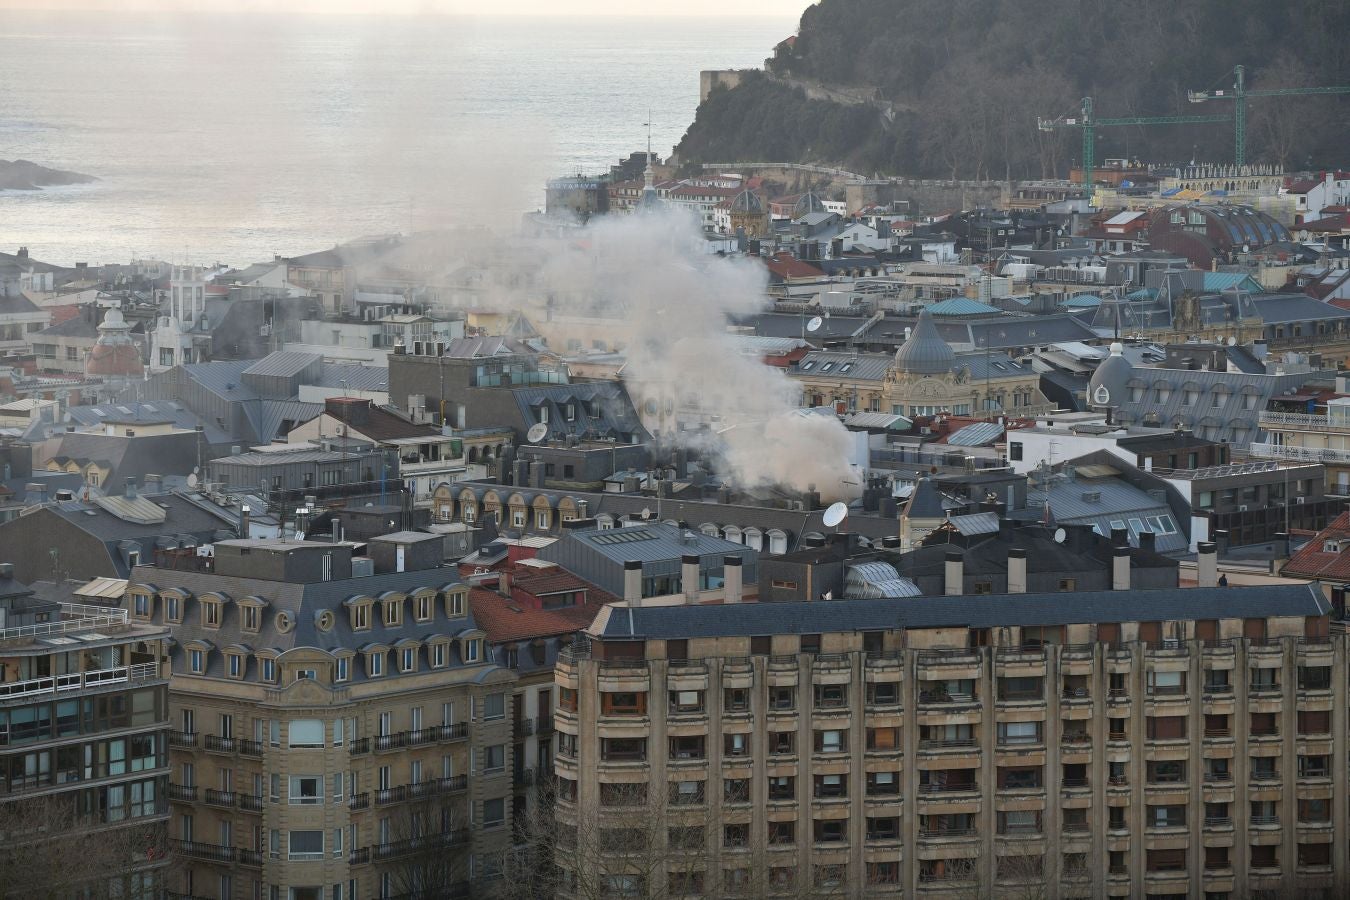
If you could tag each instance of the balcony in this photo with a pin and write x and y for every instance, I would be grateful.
(197, 850)
(1218, 823)
(435, 734)
(216, 744)
(960, 787)
(359, 856)
(968, 656)
(946, 831)
(183, 740)
(522, 777)
(251, 858)
(251, 748)
(183, 793)
(522, 728)
(1265, 822)
(359, 801)
(409, 846)
(250, 803)
(953, 744)
(937, 699)
(224, 799)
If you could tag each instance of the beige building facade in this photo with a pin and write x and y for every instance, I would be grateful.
(335, 736)
(992, 747)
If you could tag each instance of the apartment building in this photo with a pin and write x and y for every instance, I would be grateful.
(1314, 438)
(84, 717)
(1144, 744)
(335, 735)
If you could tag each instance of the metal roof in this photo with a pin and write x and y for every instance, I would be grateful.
(283, 363)
(857, 366)
(963, 306)
(876, 580)
(976, 523)
(976, 435)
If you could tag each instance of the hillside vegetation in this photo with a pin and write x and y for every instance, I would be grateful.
(968, 78)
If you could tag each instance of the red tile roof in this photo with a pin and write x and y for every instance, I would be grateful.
(506, 620)
(785, 266)
(1313, 561)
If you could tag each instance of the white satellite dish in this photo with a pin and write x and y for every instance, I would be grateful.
(538, 431)
(837, 513)
(1060, 535)
(1232, 341)
(192, 481)
(815, 323)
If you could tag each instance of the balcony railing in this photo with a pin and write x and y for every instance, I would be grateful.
(220, 798)
(75, 618)
(948, 788)
(198, 850)
(522, 728)
(523, 777)
(409, 846)
(78, 681)
(250, 748)
(251, 858)
(358, 801)
(217, 744)
(435, 734)
(183, 793)
(183, 740)
(250, 803)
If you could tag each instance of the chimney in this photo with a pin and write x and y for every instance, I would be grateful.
(131, 489)
(689, 576)
(632, 581)
(504, 584)
(1120, 537)
(6, 570)
(1221, 541)
(1207, 564)
(521, 478)
(954, 576)
(154, 484)
(1120, 569)
(1148, 541)
(243, 521)
(581, 508)
(731, 579)
(337, 529)
(1017, 571)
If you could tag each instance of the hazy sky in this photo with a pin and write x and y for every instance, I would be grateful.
(775, 8)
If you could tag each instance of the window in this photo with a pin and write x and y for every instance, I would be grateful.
(306, 733)
(494, 758)
(306, 789)
(236, 663)
(881, 784)
(685, 702)
(408, 659)
(736, 745)
(831, 741)
(250, 618)
(340, 669)
(196, 661)
(494, 812)
(269, 669)
(1015, 450)
(830, 786)
(736, 790)
(375, 663)
(782, 698)
(685, 793)
(306, 845)
(736, 699)
(782, 832)
(454, 604)
(471, 651)
(830, 831)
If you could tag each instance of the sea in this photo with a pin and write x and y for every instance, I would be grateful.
(233, 138)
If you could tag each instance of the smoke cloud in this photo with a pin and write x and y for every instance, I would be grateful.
(647, 283)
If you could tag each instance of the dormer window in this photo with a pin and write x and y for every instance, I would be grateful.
(543, 415)
(267, 670)
(440, 655)
(197, 661)
(341, 669)
(173, 607)
(142, 604)
(424, 607)
(1331, 547)
(407, 659)
(213, 608)
(250, 618)
(375, 664)
(358, 610)
(393, 611)
(454, 603)
(235, 665)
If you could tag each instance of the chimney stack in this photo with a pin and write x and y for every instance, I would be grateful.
(1120, 537)
(1017, 570)
(954, 576)
(1120, 569)
(1148, 541)
(1207, 564)
(731, 579)
(243, 521)
(689, 576)
(131, 489)
(632, 581)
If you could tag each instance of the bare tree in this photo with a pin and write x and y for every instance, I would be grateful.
(639, 845)
(1021, 876)
(49, 851)
(1281, 126)
(425, 846)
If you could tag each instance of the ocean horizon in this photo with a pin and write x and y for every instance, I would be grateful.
(233, 137)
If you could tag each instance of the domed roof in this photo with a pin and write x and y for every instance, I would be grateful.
(807, 203)
(747, 202)
(925, 352)
(1107, 386)
(115, 354)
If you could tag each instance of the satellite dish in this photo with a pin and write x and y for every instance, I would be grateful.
(1232, 341)
(815, 323)
(538, 431)
(1060, 535)
(834, 515)
(192, 480)
(1246, 248)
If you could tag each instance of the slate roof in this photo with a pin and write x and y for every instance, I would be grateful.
(1070, 501)
(305, 602)
(859, 366)
(650, 543)
(1278, 309)
(133, 457)
(977, 611)
(75, 326)
(615, 413)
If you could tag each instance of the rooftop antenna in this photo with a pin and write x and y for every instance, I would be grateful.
(835, 515)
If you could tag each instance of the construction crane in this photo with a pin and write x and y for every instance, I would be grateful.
(1090, 123)
(1239, 95)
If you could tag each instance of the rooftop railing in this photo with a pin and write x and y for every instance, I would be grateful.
(75, 618)
(76, 681)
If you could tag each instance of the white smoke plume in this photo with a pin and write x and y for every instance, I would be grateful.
(669, 303)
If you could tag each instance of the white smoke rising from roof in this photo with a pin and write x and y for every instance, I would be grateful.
(669, 302)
